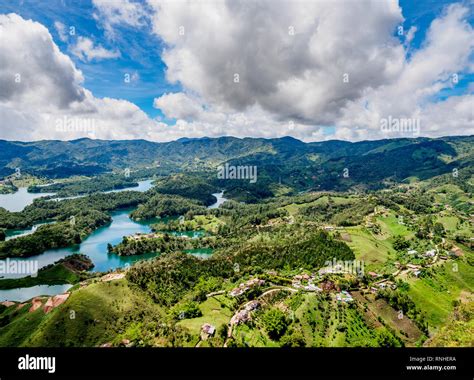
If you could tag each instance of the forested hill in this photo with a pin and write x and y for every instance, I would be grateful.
(323, 162)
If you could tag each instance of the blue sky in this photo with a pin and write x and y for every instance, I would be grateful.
(138, 51)
(141, 51)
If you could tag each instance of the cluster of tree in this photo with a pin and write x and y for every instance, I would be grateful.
(427, 227)
(275, 323)
(343, 214)
(76, 219)
(188, 186)
(418, 201)
(57, 235)
(43, 209)
(400, 244)
(170, 276)
(100, 183)
(165, 243)
(8, 187)
(186, 310)
(163, 205)
(46, 237)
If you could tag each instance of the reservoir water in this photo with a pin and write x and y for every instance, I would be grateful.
(95, 246)
(12, 234)
(219, 200)
(24, 294)
(17, 201)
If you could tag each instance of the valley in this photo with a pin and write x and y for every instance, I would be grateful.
(305, 256)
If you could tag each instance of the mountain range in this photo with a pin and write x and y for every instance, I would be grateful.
(326, 165)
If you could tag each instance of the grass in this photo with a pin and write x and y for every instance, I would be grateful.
(390, 226)
(212, 312)
(97, 310)
(252, 337)
(435, 295)
(449, 222)
(372, 251)
(294, 208)
(22, 325)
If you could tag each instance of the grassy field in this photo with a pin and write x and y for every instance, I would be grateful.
(373, 251)
(435, 295)
(213, 311)
(91, 316)
(391, 226)
(22, 325)
(293, 208)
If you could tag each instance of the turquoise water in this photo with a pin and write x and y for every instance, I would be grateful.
(203, 253)
(24, 294)
(12, 234)
(19, 200)
(95, 246)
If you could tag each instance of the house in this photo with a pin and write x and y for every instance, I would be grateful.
(208, 329)
(244, 315)
(243, 287)
(344, 297)
(373, 274)
(252, 305)
(312, 288)
(417, 273)
(456, 251)
(430, 253)
(237, 292)
(327, 286)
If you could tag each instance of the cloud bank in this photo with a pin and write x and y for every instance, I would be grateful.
(261, 69)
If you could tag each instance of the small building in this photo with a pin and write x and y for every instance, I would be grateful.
(412, 252)
(207, 330)
(344, 297)
(430, 253)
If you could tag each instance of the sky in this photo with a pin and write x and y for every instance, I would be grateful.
(162, 70)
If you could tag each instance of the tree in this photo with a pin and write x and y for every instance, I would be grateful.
(399, 243)
(438, 229)
(275, 323)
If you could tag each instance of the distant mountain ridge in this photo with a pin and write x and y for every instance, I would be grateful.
(365, 161)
